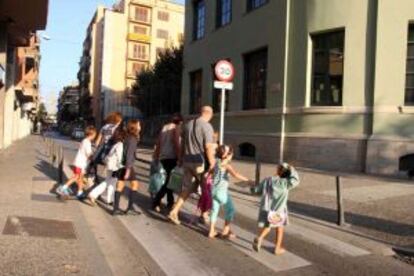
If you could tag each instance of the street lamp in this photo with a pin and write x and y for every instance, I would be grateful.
(45, 37)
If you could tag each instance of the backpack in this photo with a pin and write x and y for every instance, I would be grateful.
(112, 161)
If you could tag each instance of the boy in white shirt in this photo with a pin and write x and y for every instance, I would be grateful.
(79, 165)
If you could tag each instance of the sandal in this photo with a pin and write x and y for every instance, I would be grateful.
(229, 236)
(174, 219)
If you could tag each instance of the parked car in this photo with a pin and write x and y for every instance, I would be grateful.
(78, 133)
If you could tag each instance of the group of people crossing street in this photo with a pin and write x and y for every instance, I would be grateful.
(206, 168)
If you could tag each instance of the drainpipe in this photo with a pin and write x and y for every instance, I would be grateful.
(285, 79)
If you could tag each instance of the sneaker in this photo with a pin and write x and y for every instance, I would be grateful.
(62, 190)
(117, 213)
(81, 196)
(132, 211)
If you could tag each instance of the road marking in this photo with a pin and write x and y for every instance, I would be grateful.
(243, 242)
(18, 226)
(168, 251)
(333, 245)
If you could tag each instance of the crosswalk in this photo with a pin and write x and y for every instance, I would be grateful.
(176, 254)
(181, 251)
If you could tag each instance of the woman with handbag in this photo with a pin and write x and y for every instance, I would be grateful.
(273, 205)
(167, 151)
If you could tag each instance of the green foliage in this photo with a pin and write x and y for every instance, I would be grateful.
(158, 89)
(41, 113)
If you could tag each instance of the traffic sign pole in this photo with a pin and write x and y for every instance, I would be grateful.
(222, 110)
(224, 72)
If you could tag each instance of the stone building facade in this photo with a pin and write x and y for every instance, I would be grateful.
(327, 84)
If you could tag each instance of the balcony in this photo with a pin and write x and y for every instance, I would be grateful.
(23, 21)
(139, 37)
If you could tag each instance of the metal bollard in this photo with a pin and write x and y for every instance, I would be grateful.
(60, 165)
(258, 170)
(54, 155)
(339, 202)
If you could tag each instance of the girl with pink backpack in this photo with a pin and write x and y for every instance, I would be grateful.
(220, 194)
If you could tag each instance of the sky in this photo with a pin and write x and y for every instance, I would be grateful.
(66, 28)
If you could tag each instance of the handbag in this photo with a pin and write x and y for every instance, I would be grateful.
(275, 218)
(176, 180)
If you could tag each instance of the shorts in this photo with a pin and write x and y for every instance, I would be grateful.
(120, 174)
(77, 171)
(191, 178)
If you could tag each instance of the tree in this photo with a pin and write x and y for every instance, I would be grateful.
(158, 89)
(41, 113)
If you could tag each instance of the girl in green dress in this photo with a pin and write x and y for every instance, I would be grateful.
(273, 205)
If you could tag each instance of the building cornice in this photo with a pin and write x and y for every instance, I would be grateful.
(361, 110)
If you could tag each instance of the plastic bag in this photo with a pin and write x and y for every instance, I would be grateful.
(157, 178)
(176, 180)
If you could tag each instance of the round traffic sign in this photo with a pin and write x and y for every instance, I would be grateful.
(224, 71)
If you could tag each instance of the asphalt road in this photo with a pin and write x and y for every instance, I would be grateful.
(184, 250)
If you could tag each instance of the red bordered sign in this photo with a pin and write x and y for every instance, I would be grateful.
(224, 71)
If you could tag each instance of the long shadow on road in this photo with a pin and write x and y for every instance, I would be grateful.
(330, 215)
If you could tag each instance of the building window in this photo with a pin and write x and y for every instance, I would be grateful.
(254, 4)
(163, 16)
(409, 83)
(142, 14)
(30, 65)
(163, 34)
(328, 68)
(140, 51)
(255, 69)
(143, 30)
(196, 82)
(223, 16)
(136, 68)
(199, 19)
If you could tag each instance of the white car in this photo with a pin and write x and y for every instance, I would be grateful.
(78, 133)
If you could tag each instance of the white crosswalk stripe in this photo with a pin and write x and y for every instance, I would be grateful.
(173, 256)
(331, 244)
(244, 240)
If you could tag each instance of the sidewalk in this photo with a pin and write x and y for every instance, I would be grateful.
(42, 235)
(378, 207)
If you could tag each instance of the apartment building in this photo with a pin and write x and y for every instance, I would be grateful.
(121, 42)
(326, 84)
(19, 66)
(68, 103)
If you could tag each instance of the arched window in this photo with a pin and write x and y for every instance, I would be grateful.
(247, 150)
